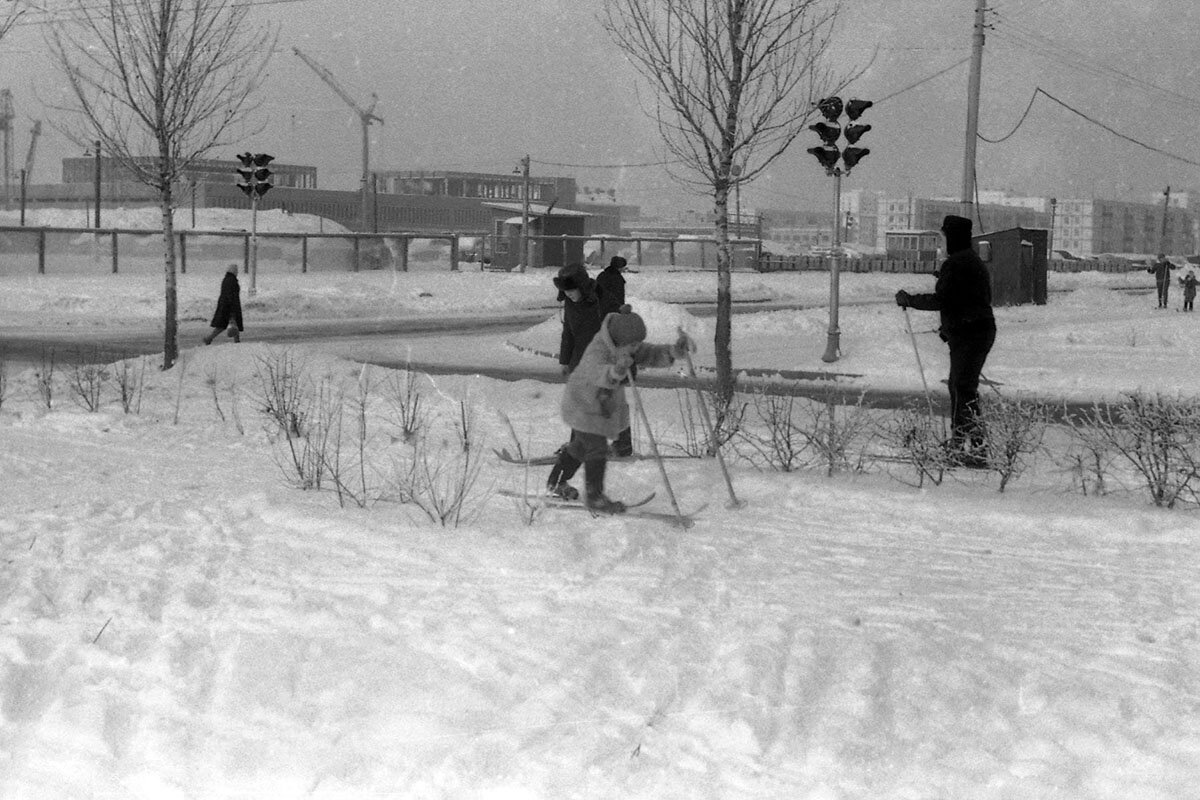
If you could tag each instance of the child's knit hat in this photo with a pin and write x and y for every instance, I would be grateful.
(626, 328)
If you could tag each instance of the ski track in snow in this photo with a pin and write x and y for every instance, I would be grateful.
(266, 642)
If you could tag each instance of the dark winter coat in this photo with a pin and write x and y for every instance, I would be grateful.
(594, 399)
(229, 304)
(1161, 270)
(581, 319)
(963, 295)
(610, 285)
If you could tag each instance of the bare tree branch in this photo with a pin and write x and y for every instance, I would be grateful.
(736, 81)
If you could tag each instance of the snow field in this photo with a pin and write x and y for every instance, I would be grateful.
(177, 622)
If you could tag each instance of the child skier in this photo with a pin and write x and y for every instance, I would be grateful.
(594, 402)
(1189, 289)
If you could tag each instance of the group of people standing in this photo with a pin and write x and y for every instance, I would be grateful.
(1161, 270)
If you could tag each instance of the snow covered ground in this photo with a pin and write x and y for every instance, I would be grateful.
(177, 620)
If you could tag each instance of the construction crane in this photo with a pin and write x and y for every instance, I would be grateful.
(365, 116)
(29, 155)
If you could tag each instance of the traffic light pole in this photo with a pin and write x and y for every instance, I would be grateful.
(253, 244)
(833, 339)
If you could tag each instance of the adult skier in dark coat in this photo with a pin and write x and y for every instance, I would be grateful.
(229, 308)
(963, 295)
(1161, 270)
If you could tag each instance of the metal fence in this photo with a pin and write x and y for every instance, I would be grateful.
(76, 251)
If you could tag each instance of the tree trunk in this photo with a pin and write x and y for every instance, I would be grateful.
(171, 326)
(722, 337)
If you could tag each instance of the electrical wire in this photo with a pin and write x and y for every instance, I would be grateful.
(927, 79)
(1016, 127)
(1040, 91)
(1054, 50)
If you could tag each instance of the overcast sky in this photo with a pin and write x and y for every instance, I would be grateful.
(476, 84)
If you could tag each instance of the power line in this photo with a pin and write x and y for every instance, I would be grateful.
(1063, 54)
(1040, 91)
(937, 74)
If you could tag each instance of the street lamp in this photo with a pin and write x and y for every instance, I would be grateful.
(523, 170)
(1053, 208)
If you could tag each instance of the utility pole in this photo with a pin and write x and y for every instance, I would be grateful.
(973, 82)
(1162, 236)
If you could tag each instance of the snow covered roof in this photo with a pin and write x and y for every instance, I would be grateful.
(538, 210)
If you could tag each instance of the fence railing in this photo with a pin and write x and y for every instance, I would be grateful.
(775, 263)
(74, 250)
(62, 250)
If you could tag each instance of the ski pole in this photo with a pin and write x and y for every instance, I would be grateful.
(921, 369)
(712, 429)
(662, 468)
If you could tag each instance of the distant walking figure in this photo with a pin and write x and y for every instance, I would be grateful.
(1161, 270)
(228, 316)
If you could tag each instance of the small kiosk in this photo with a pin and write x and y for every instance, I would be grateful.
(1016, 259)
(544, 221)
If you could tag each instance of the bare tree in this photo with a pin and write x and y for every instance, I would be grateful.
(736, 82)
(159, 83)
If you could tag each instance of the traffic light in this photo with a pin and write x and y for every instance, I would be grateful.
(852, 155)
(830, 108)
(855, 108)
(828, 154)
(255, 176)
(828, 132)
(855, 132)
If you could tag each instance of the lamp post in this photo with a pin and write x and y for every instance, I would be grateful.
(1053, 209)
(96, 181)
(524, 168)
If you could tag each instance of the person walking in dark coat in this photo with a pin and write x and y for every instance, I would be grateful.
(581, 314)
(963, 295)
(228, 315)
(1161, 270)
(610, 285)
(581, 320)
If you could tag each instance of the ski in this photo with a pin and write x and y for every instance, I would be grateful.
(632, 509)
(545, 461)
(552, 500)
